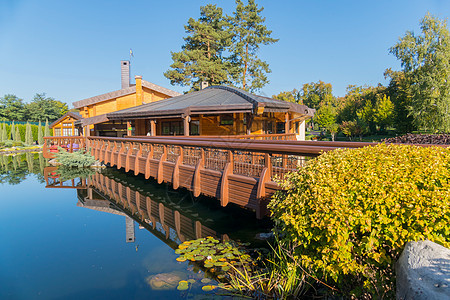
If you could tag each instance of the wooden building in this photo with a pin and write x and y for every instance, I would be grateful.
(94, 110)
(215, 111)
(67, 125)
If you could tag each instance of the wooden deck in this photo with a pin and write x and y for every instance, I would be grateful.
(239, 171)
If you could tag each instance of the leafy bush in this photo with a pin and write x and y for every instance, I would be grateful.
(351, 211)
(78, 159)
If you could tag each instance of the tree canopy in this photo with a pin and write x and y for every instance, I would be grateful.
(223, 49)
(425, 59)
(41, 108)
(201, 58)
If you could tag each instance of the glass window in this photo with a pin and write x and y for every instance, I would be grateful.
(194, 128)
(172, 128)
(226, 119)
(57, 132)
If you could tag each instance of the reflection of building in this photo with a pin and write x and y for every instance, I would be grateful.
(106, 206)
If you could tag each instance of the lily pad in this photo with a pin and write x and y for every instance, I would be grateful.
(206, 280)
(181, 259)
(208, 288)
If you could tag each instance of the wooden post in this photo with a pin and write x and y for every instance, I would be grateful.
(127, 160)
(128, 128)
(224, 190)
(197, 188)
(160, 174)
(119, 156)
(153, 127)
(176, 169)
(286, 124)
(147, 163)
(136, 160)
(186, 125)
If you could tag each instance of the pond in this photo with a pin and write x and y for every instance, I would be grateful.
(109, 235)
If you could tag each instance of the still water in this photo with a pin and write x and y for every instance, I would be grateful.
(109, 235)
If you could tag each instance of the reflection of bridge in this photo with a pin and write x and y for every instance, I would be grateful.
(102, 193)
(174, 225)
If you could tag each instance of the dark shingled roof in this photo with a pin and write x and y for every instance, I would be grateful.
(74, 115)
(212, 100)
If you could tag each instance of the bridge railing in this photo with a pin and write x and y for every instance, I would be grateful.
(69, 143)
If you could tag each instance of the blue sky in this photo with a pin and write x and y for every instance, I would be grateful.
(71, 50)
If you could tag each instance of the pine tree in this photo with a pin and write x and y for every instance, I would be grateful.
(249, 33)
(28, 135)
(201, 58)
(46, 129)
(40, 137)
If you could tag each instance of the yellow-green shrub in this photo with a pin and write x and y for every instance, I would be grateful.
(352, 211)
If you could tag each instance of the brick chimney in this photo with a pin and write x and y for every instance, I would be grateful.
(125, 73)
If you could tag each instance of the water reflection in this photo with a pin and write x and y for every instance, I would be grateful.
(16, 168)
(172, 216)
(105, 253)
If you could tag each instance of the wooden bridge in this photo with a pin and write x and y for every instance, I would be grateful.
(240, 171)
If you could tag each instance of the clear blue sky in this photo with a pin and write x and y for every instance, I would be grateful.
(72, 49)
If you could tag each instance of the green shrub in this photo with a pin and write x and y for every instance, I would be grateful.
(78, 159)
(351, 212)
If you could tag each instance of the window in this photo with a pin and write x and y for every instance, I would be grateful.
(280, 127)
(172, 128)
(226, 119)
(194, 128)
(57, 132)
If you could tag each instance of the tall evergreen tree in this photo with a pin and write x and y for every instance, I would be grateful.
(46, 129)
(17, 134)
(12, 131)
(28, 135)
(40, 136)
(201, 58)
(425, 59)
(2, 132)
(249, 33)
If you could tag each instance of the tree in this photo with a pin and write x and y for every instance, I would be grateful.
(45, 108)
(249, 33)
(383, 113)
(28, 135)
(289, 96)
(425, 59)
(312, 94)
(3, 135)
(46, 129)
(40, 137)
(17, 134)
(12, 131)
(12, 108)
(399, 92)
(326, 118)
(201, 57)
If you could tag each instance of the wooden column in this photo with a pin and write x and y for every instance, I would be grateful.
(286, 124)
(153, 127)
(186, 125)
(128, 128)
(224, 191)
